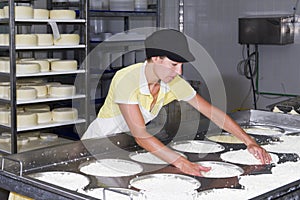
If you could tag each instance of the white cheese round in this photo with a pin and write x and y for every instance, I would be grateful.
(21, 12)
(40, 13)
(44, 64)
(62, 90)
(28, 68)
(26, 93)
(64, 65)
(64, 114)
(42, 90)
(25, 119)
(2, 16)
(62, 14)
(45, 39)
(4, 139)
(67, 40)
(44, 117)
(24, 40)
(48, 136)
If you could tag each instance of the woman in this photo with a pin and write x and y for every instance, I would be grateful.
(139, 91)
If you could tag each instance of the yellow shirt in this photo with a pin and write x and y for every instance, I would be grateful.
(129, 86)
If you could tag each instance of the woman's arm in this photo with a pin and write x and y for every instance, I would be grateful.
(136, 124)
(228, 124)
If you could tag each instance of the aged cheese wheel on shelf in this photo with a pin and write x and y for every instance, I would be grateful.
(26, 93)
(40, 13)
(25, 40)
(42, 90)
(62, 14)
(62, 90)
(25, 119)
(37, 108)
(44, 64)
(67, 40)
(28, 68)
(64, 114)
(33, 135)
(45, 39)
(2, 16)
(4, 39)
(4, 115)
(21, 12)
(48, 136)
(64, 65)
(4, 91)
(44, 117)
(50, 84)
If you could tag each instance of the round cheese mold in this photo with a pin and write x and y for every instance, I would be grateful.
(62, 14)
(45, 39)
(62, 91)
(24, 40)
(44, 64)
(67, 40)
(64, 114)
(26, 93)
(64, 65)
(43, 117)
(40, 14)
(37, 108)
(42, 90)
(27, 68)
(22, 140)
(34, 135)
(21, 12)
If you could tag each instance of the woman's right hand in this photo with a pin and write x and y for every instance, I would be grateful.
(189, 167)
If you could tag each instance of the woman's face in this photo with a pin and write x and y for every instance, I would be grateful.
(166, 69)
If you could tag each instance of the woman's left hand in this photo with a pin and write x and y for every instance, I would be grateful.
(259, 153)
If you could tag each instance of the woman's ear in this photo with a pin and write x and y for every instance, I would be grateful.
(155, 59)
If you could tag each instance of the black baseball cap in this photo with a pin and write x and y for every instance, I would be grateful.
(169, 42)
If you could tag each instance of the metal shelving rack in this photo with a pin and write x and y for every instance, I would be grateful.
(12, 49)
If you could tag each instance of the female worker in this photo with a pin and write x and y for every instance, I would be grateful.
(138, 92)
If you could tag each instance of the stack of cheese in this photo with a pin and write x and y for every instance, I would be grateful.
(27, 12)
(32, 40)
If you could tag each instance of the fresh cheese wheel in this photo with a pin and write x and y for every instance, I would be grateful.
(20, 60)
(42, 90)
(4, 39)
(67, 40)
(64, 114)
(48, 136)
(33, 135)
(21, 12)
(44, 64)
(64, 65)
(62, 14)
(44, 117)
(4, 91)
(28, 68)
(24, 40)
(4, 65)
(45, 39)
(62, 91)
(6, 134)
(26, 93)
(52, 59)
(4, 115)
(40, 13)
(37, 108)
